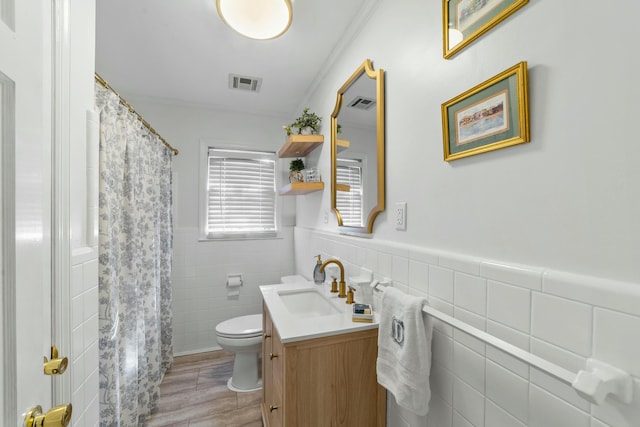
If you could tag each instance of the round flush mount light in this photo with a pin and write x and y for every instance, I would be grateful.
(256, 19)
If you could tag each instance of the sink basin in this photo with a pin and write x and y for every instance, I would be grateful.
(307, 303)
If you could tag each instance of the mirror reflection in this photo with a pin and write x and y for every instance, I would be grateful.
(358, 150)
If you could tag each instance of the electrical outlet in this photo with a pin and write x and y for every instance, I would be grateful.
(401, 216)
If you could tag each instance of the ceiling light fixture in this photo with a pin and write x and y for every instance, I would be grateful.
(256, 19)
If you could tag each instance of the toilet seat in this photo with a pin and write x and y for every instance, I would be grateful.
(241, 327)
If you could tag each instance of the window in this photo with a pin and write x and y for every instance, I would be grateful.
(241, 194)
(349, 203)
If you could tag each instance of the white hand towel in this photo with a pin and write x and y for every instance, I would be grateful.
(404, 350)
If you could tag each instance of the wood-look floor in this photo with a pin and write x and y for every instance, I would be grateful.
(194, 393)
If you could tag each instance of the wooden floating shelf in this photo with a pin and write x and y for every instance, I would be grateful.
(342, 144)
(300, 145)
(343, 187)
(299, 188)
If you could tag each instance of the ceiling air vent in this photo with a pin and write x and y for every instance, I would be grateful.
(251, 84)
(361, 103)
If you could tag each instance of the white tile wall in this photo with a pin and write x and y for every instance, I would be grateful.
(460, 421)
(442, 382)
(440, 413)
(441, 283)
(84, 340)
(565, 318)
(509, 305)
(508, 390)
(617, 338)
(496, 416)
(468, 402)
(469, 366)
(512, 337)
(560, 321)
(618, 414)
(470, 293)
(419, 276)
(199, 275)
(548, 410)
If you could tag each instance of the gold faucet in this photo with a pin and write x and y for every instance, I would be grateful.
(343, 286)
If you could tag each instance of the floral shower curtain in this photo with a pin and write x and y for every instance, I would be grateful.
(135, 338)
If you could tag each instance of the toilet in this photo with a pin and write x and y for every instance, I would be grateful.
(243, 336)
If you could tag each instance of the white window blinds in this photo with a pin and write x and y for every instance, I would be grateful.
(349, 203)
(241, 194)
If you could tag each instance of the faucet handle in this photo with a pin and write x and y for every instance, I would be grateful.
(350, 295)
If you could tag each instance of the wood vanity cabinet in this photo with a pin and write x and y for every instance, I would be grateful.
(329, 381)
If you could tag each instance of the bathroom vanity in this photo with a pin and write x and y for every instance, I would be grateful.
(318, 367)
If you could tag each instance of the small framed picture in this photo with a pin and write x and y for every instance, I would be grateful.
(466, 20)
(487, 117)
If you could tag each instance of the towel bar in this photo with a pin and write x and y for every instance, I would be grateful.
(593, 384)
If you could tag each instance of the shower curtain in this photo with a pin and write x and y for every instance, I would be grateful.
(135, 249)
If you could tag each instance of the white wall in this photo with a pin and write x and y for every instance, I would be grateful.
(200, 268)
(549, 227)
(562, 317)
(83, 283)
(565, 200)
(538, 243)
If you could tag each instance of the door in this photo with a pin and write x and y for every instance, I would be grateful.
(25, 227)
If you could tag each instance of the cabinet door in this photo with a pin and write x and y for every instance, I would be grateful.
(277, 358)
(272, 359)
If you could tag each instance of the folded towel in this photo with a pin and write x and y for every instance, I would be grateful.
(404, 350)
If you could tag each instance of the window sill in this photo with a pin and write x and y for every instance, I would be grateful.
(278, 236)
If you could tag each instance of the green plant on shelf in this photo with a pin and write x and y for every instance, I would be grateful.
(296, 165)
(308, 122)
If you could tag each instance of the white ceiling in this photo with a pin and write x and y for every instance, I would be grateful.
(180, 51)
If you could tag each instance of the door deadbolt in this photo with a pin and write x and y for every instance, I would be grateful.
(55, 417)
(57, 365)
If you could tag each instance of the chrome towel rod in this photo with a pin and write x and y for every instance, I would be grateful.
(594, 383)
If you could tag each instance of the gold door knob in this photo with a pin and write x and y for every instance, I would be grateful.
(57, 365)
(266, 335)
(272, 408)
(55, 417)
(272, 356)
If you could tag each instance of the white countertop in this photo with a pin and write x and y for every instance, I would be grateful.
(296, 328)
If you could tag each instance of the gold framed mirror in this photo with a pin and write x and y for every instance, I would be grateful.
(357, 150)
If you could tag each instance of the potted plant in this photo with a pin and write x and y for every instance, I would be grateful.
(295, 168)
(307, 123)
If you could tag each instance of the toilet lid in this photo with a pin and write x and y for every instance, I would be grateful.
(241, 327)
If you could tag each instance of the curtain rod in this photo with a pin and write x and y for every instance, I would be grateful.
(146, 124)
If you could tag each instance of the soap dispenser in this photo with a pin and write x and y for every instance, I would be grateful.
(318, 275)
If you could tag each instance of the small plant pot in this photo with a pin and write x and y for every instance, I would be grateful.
(296, 176)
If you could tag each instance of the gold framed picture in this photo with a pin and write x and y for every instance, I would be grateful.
(489, 116)
(466, 20)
